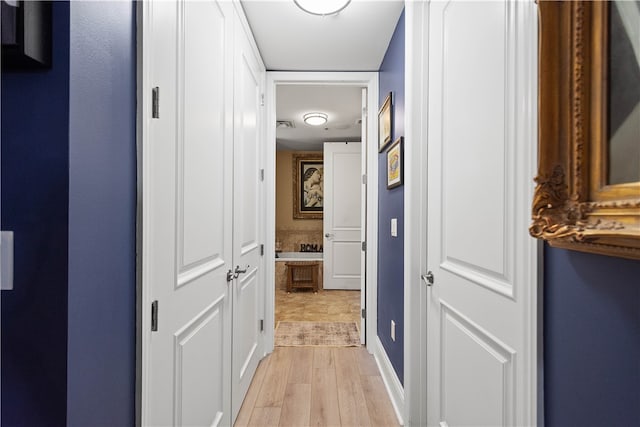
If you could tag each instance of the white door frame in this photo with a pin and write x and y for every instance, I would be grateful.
(364, 79)
(416, 210)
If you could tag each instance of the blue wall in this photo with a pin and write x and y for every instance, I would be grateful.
(391, 205)
(69, 194)
(35, 167)
(102, 212)
(591, 340)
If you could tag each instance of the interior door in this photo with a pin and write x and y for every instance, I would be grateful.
(341, 215)
(481, 133)
(187, 214)
(248, 309)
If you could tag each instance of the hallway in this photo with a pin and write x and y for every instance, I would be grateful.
(501, 251)
(321, 386)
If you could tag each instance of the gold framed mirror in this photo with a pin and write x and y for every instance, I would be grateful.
(587, 196)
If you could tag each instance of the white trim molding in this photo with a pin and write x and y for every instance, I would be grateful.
(390, 379)
(533, 276)
(415, 212)
(362, 79)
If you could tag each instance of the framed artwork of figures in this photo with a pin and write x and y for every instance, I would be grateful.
(308, 186)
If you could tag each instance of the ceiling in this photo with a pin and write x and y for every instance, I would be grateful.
(290, 39)
(341, 103)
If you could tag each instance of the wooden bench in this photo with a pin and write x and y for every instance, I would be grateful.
(302, 275)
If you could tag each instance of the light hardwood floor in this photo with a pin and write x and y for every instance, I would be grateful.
(317, 386)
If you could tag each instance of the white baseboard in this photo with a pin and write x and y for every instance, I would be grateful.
(390, 379)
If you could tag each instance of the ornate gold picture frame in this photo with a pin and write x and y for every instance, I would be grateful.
(575, 205)
(308, 186)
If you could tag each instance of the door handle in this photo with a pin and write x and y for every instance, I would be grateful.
(238, 272)
(428, 278)
(231, 275)
(328, 235)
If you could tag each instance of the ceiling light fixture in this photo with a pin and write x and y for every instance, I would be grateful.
(322, 7)
(315, 119)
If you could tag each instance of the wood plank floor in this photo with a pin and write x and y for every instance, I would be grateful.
(317, 386)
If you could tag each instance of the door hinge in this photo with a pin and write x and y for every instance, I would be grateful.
(364, 313)
(262, 250)
(261, 174)
(364, 246)
(364, 179)
(364, 111)
(262, 99)
(154, 316)
(261, 325)
(155, 103)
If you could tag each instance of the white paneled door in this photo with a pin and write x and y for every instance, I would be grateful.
(200, 207)
(248, 306)
(341, 215)
(482, 103)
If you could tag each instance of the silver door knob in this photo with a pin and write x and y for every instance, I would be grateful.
(328, 235)
(428, 278)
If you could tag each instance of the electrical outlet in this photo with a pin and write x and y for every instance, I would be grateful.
(394, 227)
(393, 330)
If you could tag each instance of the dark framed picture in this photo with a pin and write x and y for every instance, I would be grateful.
(308, 186)
(394, 164)
(385, 116)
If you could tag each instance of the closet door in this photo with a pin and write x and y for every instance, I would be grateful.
(248, 288)
(481, 139)
(187, 213)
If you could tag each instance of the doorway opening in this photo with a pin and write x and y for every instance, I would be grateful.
(301, 247)
(318, 214)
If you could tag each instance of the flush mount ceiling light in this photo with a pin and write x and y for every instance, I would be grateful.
(315, 119)
(322, 7)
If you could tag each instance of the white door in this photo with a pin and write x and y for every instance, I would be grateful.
(187, 214)
(248, 309)
(481, 142)
(341, 213)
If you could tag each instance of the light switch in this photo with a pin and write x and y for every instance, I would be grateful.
(6, 267)
(394, 227)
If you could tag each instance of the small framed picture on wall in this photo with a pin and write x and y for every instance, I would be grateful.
(394, 164)
(384, 123)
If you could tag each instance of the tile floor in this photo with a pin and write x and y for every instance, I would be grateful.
(324, 306)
